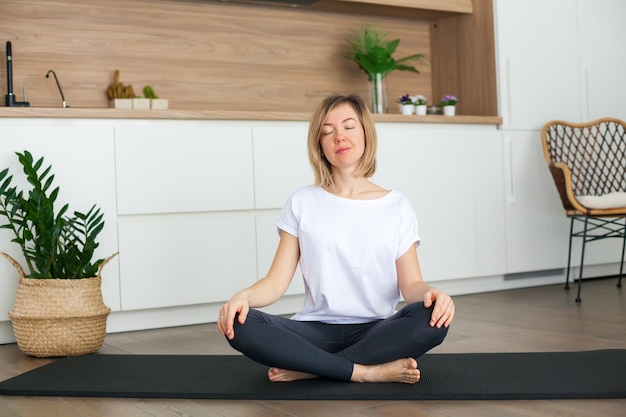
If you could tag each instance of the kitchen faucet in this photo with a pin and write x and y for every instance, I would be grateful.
(59, 86)
(9, 99)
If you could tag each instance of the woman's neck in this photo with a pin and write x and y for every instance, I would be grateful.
(355, 188)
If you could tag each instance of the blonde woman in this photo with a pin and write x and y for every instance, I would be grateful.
(356, 245)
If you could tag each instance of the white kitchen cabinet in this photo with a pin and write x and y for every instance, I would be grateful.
(536, 226)
(267, 242)
(281, 162)
(453, 177)
(537, 62)
(537, 229)
(185, 259)
(601, 24)
(183, 167)
(82, 159)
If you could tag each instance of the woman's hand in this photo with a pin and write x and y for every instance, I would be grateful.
(443, 312)
(226, 316)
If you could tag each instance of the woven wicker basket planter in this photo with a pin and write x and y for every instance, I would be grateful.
(58, 317)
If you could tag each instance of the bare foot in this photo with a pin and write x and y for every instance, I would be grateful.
(285, 375)
(401, 370)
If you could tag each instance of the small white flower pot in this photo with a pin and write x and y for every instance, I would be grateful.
(449, 110)
(407, 108)
(121, 103)
(420, 109)
(141, 103)
(159, 103)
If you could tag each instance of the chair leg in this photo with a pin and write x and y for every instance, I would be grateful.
(582, 260)
(569, 253)
(621, 265)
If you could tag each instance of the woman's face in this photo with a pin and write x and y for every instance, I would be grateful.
(343, 137)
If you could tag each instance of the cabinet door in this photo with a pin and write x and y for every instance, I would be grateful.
(456, 198)
(266, 243)
(82, 160)
(602, 57)
(281, 163)
(537, 229)
(176, 260)
(537, 62)
(183, 167)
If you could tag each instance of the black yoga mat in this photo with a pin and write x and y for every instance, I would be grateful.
(466, 376)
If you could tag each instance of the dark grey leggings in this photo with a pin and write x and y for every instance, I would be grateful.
(331, 350)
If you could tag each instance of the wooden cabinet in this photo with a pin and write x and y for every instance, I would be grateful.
(413, 9)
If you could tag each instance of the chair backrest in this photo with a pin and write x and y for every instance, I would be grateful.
(594, 152)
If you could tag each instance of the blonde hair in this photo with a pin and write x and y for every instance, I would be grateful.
(321, 167)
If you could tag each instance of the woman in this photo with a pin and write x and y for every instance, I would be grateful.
(356, 244)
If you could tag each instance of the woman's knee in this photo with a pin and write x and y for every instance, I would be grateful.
(420, 317)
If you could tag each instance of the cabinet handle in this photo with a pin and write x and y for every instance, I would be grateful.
(511, 170)
(586, 93)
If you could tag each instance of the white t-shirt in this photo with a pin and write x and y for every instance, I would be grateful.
(348, 250)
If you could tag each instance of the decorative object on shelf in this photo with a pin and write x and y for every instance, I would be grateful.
(420, 104)
(373, 53)
(120, 95)
(406, 104)
(141, 103)
(448, 104)
(58, 310)
(156, 103)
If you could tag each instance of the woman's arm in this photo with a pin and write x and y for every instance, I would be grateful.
(414, 289)
(265, 291)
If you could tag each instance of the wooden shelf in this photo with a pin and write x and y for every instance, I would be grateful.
(409, 9)
(173, 114)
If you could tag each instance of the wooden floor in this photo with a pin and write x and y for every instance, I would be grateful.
(536, 319)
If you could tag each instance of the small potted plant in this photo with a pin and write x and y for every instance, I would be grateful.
(156, 103)
(420, 104)
(120, 96)
(448, 104)
(58, 310)
(407, 106)
(373, 53)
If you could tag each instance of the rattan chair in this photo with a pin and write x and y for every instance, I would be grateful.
(588, 165)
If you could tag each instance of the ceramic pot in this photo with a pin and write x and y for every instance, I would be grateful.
(449, 110)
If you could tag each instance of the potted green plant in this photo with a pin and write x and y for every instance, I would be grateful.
(407, 106)
(120, 96)
(58, 310)
(156, 103)
(373, 53)
(420, 104)
(448, 103)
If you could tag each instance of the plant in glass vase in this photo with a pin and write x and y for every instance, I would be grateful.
(373, 53)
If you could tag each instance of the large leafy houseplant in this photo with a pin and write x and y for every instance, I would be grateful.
(54, 244)
(373, 53)
(59, 309)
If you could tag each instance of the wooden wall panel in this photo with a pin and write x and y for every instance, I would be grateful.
(201, 55)
(463, 53)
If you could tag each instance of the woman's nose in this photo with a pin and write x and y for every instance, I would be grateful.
(340, 137)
